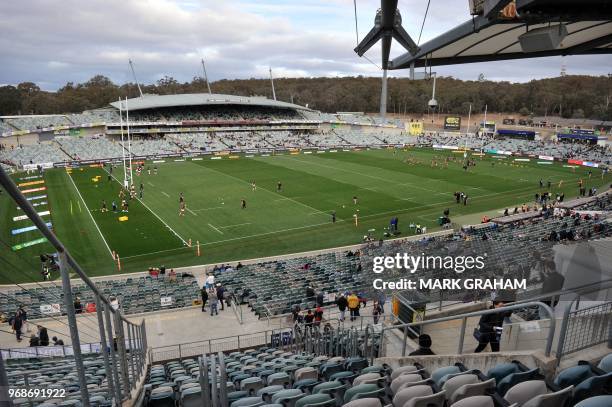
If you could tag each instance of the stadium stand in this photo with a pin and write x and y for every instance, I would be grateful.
(36, 153)
(135, 294)
(38, 122)
(273, 376)
(89, 148)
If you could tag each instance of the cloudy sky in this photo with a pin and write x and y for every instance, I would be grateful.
(51, 42)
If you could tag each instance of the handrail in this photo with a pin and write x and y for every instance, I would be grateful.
(578, 290)
(464, 317)
(566, 315)
(236, 307)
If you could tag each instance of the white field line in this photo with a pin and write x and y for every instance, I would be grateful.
(209, 209)
(154, 214)
(212, 226)
(232, 226)
(90, 215)
(192, 212)
(268, 191)
(168, 196)
(151, 184)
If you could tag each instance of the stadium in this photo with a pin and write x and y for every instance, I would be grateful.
(209, 249)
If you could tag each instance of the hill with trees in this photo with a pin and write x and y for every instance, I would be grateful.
(568, 96)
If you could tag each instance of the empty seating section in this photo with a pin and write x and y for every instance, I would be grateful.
(214, 113)
(94, 116)
(152, 147)
(198, 142)
(90, 148)
(537, 147)
(135, 294)
(5, 127)
(274, 377)
(60, 373)
(34, 153)
(38, 122)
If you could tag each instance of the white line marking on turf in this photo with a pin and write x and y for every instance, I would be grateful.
(231, 226)
(154, 214)
(165, 194)
(209, 209)
(215, 228)
(192, 212)
(90, 215)
(150, 184)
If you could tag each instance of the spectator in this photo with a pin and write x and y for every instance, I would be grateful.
(172, 276)
(162, 271)
(342, 304)
(353, 305)
(424, 346)
(78, 307)
(114, 302)
(57, 342)
(34, 340)
(490, 328)
(310, 293)
(376, 311)
(295, 311)
(221, 295)
(210, 281)
(320, 298)
(214, 302)
(43, 336)
(204, 294)
(309, 318)
(17, 324)
(552, 281)
(318, 315)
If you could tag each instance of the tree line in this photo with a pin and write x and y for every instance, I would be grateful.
(568, 96)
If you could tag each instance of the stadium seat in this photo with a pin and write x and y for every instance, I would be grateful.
(597, 401)
(454, 383)
(366, 402)
(439, 373)
(312, 400)
(555, 399)
(472, 390)
(435, 400)
(574, 375)
(606, 363)
(474, 401)
(502, 370)
(525, 391)
(363, 389)
(248, 402)
(593, 386)
(515, 378)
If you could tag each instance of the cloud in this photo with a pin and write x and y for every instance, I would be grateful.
(53, 42)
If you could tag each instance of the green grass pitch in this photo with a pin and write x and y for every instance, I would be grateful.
(298, 218)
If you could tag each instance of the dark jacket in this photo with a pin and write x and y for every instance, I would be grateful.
(489, 322)
(43, 337)
(342, 303)
(422, 352)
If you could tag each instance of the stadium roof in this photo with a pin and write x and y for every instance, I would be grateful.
(200, 99)
(493, 36)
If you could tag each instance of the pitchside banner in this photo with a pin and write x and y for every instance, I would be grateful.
(452, 123)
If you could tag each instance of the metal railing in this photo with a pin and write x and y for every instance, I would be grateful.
(584, 328)
(237, 308)
(464, 317)
(122, 369)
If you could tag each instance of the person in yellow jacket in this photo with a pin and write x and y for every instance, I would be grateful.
(353, 305)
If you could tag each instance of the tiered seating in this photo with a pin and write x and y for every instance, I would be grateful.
(135, 295)
(198, 142)
(38, 122)
(60, 373)
(152, 147)
(90, 148)
(277, 285)
(271, 377)
(95, 116)
(5, 127)
(36, 153)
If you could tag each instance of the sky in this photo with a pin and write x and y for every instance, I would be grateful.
(51, 42)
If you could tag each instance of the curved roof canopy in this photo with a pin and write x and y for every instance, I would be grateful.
(201, 99)
(494, 35)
